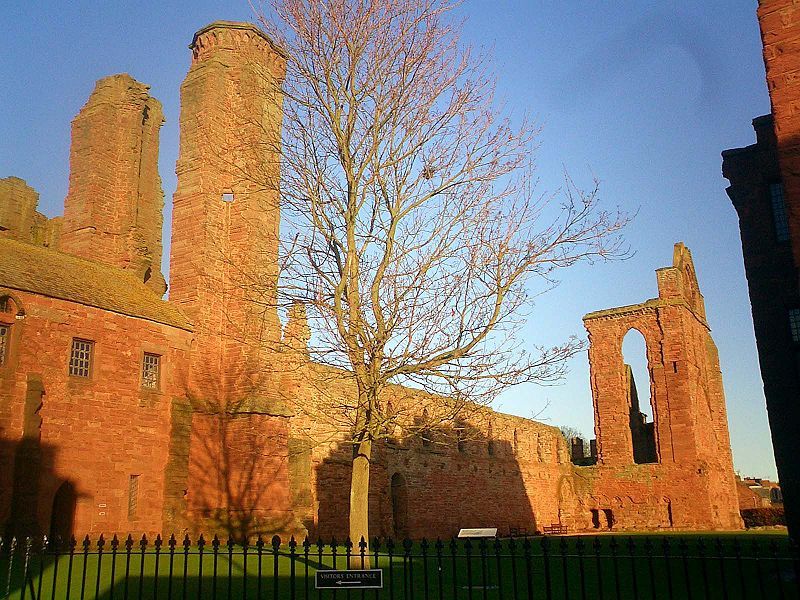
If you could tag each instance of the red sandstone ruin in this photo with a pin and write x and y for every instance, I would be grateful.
(123, 412)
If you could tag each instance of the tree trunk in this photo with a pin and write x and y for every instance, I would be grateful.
(359, 500)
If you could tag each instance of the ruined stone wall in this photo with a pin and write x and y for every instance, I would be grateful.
(690, 420)
(90, 434)
(19, 219)
(486, 469)
(113, 212)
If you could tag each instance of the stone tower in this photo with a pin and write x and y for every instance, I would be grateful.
(113, 210)
(224, 252)
(688, 441)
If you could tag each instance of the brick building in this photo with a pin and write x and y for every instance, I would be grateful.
(765, 191)
(121, 411)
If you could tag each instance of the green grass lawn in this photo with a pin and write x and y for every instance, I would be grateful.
(575, 568)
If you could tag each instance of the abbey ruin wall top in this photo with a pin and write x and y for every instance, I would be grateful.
(237, 25)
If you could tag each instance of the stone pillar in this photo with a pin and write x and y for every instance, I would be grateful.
(113, 210)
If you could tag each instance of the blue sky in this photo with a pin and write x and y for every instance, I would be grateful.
(642, 95)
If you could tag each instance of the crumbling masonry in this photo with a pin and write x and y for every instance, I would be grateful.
(120, 411)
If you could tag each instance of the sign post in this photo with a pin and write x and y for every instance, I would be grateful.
(359, 579)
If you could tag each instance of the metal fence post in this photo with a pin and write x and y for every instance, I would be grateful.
(157, 546)
(201, 542)
(424, 548)
(259, 566)
(171, 543)
(597, 545)
(114, 550)
(546, 556)
(276, 545)
(683, 548)
(579, 547)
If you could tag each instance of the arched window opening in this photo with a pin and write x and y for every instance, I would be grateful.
(10, 312)
(425, 432)
(638, 387)
(62, 518)
(399, 491)
(609, 518)
(461, 437)
(595, 517)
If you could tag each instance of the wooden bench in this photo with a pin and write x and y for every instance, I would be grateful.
(517, 531)
(555, 529)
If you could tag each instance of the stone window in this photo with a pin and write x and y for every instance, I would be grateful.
(779, 212)
(80, 359)
(595, 518)
(151, 371)
(461, 442)
(609, 515)
(427, 437)
(5, 330)
(794, 323)
(133, 496)
(425, 433)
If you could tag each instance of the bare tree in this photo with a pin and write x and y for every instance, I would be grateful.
(570, 432)
(412, 234)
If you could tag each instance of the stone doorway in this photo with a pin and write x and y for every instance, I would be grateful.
(399, 506)
(62, 519)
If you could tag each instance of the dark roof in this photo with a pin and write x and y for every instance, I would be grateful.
(40, 270)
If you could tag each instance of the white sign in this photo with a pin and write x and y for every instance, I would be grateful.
(488, 532)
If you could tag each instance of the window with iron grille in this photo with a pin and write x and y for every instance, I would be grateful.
(4, 335)
(794, 323)
(80, 359)
(151, 371)
(133, 496)
(779, 212)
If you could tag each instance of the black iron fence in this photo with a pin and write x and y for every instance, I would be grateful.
(572, 567)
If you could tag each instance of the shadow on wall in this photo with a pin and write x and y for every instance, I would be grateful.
(33, 500)
(238, 476)
(428, 486)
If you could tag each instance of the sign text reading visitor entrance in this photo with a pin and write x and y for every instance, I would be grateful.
(358, 579)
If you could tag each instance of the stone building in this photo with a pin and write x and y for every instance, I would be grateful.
(765, 191)
(755, 492)
(124, 412)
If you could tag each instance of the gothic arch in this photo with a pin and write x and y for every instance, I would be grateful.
(399, 497)
(18, 310)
